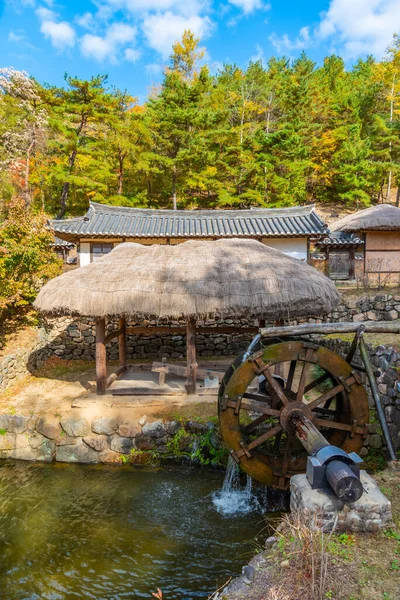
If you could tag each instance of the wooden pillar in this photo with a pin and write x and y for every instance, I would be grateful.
(191, 356)
(122, 342)
(101, 361)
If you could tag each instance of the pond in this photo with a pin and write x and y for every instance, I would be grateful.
(75, 531)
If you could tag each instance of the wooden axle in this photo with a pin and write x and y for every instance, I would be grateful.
(343, 481)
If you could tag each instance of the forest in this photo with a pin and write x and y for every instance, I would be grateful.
(279, 134)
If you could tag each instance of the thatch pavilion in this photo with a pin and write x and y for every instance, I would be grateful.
(193, 280)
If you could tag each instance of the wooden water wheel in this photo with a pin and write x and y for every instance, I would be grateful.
(260, 392)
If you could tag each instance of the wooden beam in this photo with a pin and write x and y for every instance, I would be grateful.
(182, 330)
(111, 378)
(101, 359)
(181, 371)
(122, 342)
(191, 356)
(327, 328)
(113, 334)
(146, 391)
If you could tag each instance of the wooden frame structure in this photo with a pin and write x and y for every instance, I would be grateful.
(103, 382)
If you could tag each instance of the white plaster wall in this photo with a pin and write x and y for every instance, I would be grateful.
(84, 254)
(296, 247)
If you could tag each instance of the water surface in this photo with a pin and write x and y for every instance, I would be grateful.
(74, 531)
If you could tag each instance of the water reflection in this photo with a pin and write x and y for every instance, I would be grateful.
(73, 531)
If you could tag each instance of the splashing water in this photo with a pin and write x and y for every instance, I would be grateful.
(233, 499)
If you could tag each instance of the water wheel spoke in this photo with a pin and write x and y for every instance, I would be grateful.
(340, 426)
(264, 437)
(258, 407)
(254, 424)
(325, 396)
(286, 456)
(289, 381)
(256, 396)
(302, 382)
(276, 387)
(316, 382)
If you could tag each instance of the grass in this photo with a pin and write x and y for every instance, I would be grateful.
(202, 412)
(310, 565)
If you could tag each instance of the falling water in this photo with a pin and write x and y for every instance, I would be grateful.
(233, 498)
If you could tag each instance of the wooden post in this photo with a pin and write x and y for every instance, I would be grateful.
(191, 356)
(101, 361)
(122, 342)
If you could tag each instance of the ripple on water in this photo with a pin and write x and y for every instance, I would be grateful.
(74, 531)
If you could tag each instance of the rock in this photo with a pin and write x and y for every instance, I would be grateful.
(196, 427)
(14, 423)
(393, 314)
(109, 457)
(363, 452)
(65, 440)
(75, 426)
(7, 441)
(104, 425)
(271, 541)
(49, 427)
(248, 573)
(36, 440)
(122, 444)
(173, 427)
(79, 453)
(97, 442)
(375, 441)
(44, 452)
(358, 318)
(155, 429)
(372, 316)
(144, 443)
(129, 429)
(285, 564)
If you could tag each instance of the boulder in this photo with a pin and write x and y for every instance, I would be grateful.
(109, 457)
(49, 427)
(129, 429)
(123, 445)
(78, 453)
(75, 426)
(7, 441)
(96, 442)
(43, 452)
(104, 425)
(14, 423)
(155, 429)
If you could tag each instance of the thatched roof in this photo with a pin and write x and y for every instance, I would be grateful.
(383, 217)
(195, 278)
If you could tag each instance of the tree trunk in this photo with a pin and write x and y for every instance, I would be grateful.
(27, 171)
(390, 143)
(173, 189)
(398, 195)
(121, 159)
(71, 164)
(101, 364)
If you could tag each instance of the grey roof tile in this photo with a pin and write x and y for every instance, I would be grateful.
(119, 221)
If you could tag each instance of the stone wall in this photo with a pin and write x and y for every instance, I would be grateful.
(75, 439)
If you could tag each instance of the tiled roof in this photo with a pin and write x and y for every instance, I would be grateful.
(340, 238)
(58, 242)
(110, 221)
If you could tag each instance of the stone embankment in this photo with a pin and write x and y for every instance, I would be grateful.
(109, 440)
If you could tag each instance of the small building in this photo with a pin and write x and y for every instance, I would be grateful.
(63, 249)
(342, 255)
(378, 229)
(290, 230)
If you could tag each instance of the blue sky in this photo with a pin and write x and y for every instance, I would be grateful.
(131, 40)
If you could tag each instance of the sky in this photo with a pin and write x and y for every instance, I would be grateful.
(131, 40)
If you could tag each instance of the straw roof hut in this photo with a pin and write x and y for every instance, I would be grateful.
(193, 280)
(383, 217)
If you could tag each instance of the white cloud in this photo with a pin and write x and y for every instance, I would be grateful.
(258, 55)
(186, 7)
(86, 20)
(249, 6)
(15, 37)
(106, 48)
(45, 14)
(283, 43)
(361, 26)
(163, 30)
(61, 35)
(131, 55)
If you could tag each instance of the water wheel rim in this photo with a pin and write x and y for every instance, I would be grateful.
(267, 468)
